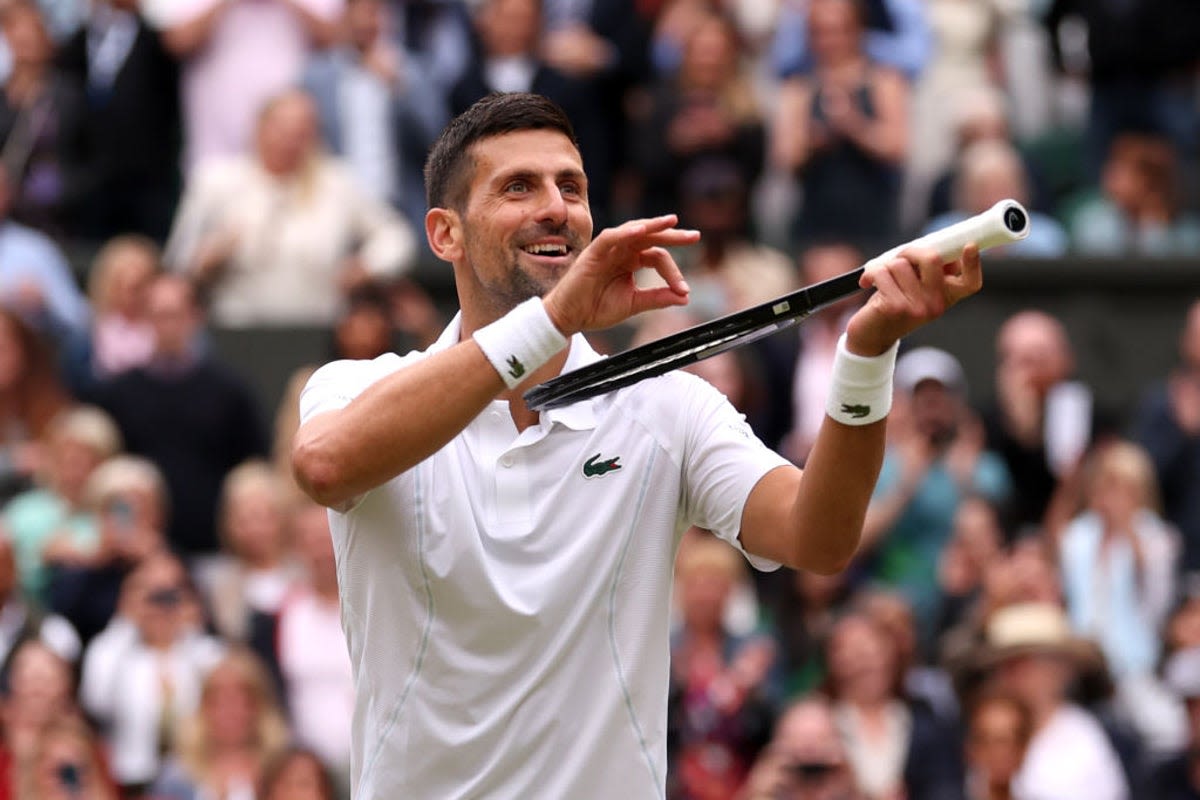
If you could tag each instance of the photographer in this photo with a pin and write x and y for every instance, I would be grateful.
(806, 759)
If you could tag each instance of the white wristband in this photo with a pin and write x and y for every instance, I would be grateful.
(520, 341)
(862, 386)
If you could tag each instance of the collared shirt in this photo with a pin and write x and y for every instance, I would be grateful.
(506, 600)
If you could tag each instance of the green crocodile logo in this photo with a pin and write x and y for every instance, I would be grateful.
(594, 467)
(515, 367)
(856, 411)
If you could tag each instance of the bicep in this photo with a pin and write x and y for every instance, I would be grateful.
(766, 517)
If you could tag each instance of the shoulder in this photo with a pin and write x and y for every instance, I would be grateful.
(220, 172)
(335, 384)
(30, 238)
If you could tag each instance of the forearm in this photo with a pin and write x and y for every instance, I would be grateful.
(831, 504)
(321, 32)
(393, 425)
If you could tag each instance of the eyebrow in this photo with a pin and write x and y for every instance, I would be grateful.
(531, 175)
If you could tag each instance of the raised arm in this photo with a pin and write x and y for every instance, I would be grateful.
(409, 415)
(813, 519)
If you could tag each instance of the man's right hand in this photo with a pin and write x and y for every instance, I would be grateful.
(599, 290)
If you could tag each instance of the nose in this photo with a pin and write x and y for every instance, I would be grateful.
(553, 208)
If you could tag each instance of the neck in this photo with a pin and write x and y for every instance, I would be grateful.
(1043, 711)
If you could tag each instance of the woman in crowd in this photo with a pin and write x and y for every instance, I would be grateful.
(121, 336)
(250, 581)
(40, 690)
(282, 234)
(844, 132)
(998, 729)
(30, 396)
(68, 765)
(296, 774)
(225, 746)
(895, 748)
(707, 109)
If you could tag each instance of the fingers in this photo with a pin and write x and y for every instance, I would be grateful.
(659, 260)
(639, 234)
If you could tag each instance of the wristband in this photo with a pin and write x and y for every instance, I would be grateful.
(861, 392)
(520, 341)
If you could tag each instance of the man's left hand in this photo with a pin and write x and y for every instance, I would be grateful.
(910, 290)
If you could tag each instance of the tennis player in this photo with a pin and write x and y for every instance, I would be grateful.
(505, 575)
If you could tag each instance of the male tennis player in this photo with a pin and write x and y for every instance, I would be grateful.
(505, 575)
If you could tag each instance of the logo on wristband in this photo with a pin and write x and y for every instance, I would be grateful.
(856, 411)
(515, 367)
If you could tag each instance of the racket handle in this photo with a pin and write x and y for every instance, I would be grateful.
(1003, 223)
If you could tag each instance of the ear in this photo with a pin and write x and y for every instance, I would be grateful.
(443, 229)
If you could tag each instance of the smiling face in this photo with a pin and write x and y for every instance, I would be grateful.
(524, 222)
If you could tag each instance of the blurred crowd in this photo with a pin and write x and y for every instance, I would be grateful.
(1024, 618)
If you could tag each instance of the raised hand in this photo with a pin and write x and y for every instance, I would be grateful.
(912, 289)
(599, 289)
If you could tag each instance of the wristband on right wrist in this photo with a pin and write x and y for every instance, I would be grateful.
(520, 341)
(861, 392)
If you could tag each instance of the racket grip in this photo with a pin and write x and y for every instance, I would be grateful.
(1003, 223)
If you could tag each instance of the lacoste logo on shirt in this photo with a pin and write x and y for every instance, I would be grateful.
(594, 467)
(856, 411)
(515, 367)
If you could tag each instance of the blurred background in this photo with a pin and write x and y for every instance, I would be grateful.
(203, 200)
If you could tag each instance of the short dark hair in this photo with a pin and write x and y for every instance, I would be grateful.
(446, 168)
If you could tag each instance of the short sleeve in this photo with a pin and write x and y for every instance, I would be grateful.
(334, 385)
(723, 461)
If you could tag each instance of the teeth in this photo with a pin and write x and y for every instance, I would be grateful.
(546, 249)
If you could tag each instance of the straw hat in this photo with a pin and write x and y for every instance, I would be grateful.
(1024, 629)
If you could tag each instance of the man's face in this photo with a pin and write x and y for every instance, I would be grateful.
(526, 216)
(936, 411)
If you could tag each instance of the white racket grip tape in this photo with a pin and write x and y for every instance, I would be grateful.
(1003, 223)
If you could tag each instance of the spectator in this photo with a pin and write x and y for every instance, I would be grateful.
(706, 111)
(311, 650)
(40, 689)
(982, 115)
(965, 58)
(435, 37)
(21, 621)
(1168, 425)
(236, 56)
(988, 172)
(376, 110)
(225, 745)
(897, 35)
(604, 45)
(1138, 209)
(78, 440)
(41, 125)
(121, 337)
(999, 727)
(246, 585)
(1119, 561)
(895, 747)
(1069, 755)
(844, 133)
(818, 344)
(126, 501)
(933, 461)
(131, 178)
(1178, 778)
(806, 759)
(508, 58)
(720, 692)
(143, 674)
(975, 543)
(68, 763)
(35, 279)
(30, 396)
(1042, 420)
(1139, 58)
(186, 412)
(728, 271)
(296, 774)
(281, 234)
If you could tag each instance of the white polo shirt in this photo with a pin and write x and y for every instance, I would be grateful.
(506, 601)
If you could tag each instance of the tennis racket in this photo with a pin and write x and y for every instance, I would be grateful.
(1003, 223)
